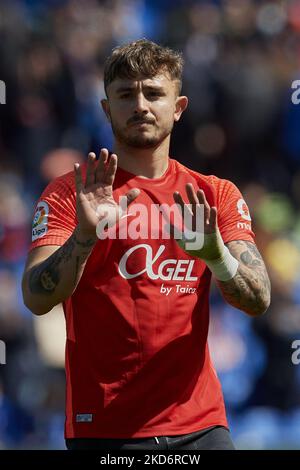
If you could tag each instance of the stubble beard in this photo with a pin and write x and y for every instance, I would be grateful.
(141, 141)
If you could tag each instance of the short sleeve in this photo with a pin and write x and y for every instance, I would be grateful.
(234, 218)
(54, 217)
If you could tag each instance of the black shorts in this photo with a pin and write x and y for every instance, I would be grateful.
(213, 438)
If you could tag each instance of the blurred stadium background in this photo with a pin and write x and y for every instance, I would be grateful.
(240, 60)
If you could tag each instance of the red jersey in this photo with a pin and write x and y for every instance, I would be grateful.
(137, 359)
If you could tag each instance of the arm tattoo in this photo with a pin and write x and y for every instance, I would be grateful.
(250, 288)
(44, 278)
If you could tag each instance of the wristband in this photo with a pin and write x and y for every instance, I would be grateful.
(224, 268)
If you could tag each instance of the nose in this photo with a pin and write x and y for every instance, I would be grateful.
(141, 106)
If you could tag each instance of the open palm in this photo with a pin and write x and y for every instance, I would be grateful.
(97, 191)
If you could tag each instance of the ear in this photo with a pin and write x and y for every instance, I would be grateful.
(105, 107)
(180, 105)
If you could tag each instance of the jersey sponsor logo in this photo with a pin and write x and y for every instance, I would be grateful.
(243, 209)
(166, 270)
(40, 220)
(243, 226)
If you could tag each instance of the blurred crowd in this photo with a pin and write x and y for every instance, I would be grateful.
(241, 58)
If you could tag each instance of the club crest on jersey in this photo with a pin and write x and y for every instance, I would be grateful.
(40, 220)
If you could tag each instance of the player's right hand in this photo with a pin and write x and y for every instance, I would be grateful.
(95, 196)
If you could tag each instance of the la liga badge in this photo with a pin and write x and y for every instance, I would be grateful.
(40, 221)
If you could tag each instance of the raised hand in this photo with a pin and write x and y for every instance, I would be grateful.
(94, 197)
(212, 241)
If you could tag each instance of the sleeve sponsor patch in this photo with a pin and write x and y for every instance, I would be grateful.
(243, 210)
(40, 221)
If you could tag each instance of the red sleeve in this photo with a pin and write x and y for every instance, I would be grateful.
(234, 219)
(54, 218)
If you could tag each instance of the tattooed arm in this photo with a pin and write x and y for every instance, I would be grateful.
(52, 273)
(250, 289)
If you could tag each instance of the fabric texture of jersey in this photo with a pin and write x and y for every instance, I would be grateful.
(137, 358)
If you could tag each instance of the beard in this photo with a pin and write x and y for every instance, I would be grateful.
(139, 139)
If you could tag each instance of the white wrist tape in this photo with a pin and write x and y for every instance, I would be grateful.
(224, 268)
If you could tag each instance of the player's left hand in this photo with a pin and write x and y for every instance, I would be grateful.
(213, 245)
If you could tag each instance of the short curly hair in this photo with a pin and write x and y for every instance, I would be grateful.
(143, 58)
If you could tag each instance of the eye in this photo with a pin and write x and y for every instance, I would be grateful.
(154, 94)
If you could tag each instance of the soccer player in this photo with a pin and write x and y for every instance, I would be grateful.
(139, 373)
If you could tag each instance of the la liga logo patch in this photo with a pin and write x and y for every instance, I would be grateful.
(40, 221)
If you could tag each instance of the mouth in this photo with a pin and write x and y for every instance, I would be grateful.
(140, 123)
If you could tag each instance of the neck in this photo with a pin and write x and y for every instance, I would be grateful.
(150, 163)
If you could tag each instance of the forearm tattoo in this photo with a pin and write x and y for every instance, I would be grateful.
(250, 288)
(44, 278)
